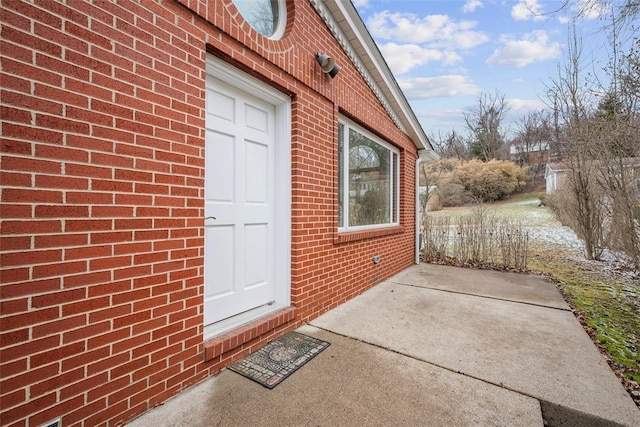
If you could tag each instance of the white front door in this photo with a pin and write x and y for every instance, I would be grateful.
(242, 257)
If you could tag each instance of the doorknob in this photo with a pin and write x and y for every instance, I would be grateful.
(209, 217)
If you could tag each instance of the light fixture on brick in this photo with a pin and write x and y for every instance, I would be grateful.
(328, 64)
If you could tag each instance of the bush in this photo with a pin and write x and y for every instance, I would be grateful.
(462, 182)
(479, 239)
(585, 214)
(493, 180)
(454, 194)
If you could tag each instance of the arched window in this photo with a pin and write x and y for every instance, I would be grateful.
(267, 17)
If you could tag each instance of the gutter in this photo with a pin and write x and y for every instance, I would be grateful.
(424, 155)
(417, 237)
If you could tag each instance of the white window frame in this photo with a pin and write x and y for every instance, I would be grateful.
(282, 21)
(394, 153)
(280, 26)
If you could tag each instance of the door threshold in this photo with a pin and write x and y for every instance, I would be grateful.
(226, 325)
(257, 331)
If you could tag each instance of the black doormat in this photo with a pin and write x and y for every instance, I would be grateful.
(277, 360)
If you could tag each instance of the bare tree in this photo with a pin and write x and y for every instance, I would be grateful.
(598, 142)
(485, 123)
(451, 145)
(627, 10)
(532, 141)
(616, 178)
(580, 203)
(617, 122)
(630, 74)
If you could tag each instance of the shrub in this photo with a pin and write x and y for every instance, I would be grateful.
(462, 182)
(479, 238)
(454, 194)
(493, 180)
(435, 237)
(585, 214)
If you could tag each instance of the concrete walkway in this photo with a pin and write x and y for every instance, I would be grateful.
(431, 346)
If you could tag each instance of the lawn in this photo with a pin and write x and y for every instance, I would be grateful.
(604, 295)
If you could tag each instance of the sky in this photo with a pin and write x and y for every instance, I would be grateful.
(446, 53)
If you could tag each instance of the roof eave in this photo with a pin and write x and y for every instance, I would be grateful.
(357, 35)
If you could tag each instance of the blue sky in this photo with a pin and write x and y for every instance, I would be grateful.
(445, 53)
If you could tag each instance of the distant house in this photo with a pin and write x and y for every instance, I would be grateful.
(528, 154)
(184, 181)
(556, 174)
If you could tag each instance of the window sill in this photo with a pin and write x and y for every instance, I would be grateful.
(352, 236)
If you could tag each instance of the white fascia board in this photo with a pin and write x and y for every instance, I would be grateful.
(377, 66)
(379, 75)
(428, 155)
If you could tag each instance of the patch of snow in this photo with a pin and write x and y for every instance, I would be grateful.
(558, 235)
(614, 264)
(532, 202)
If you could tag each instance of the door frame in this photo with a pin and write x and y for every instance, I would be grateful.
(240, 80)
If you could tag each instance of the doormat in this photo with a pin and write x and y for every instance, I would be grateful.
(277, 360)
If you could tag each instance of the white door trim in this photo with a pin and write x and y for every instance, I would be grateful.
(282, 103)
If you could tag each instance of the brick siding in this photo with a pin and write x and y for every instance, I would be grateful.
(102, 198)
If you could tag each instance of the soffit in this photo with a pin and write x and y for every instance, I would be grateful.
(347, 27)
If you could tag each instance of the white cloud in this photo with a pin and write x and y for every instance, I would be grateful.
(471, 6)
(441, 121)
(437, 87)
(438, 30)
(526, 10)
(402, 58)
(520, 107)
(533, 47)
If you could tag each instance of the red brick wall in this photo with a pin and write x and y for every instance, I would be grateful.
(102, 198)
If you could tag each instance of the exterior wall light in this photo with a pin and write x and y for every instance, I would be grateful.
(327, 64)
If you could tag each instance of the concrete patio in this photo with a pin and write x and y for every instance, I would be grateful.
(431, 346)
